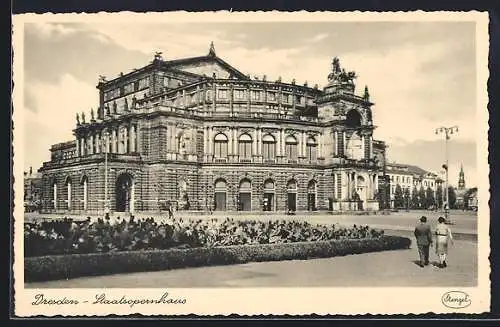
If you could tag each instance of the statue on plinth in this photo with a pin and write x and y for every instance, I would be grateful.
(134, 102)
(115, 108)
(126, 105)
(107, 110)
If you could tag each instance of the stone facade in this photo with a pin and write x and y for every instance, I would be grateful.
(199, 134)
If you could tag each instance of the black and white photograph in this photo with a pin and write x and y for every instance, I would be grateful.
(172, 163)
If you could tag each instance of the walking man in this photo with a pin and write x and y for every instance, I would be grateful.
(424, 240)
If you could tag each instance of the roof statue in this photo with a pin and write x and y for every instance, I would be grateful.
(158, 55)
(340, 75)
(92, 114)
(102, 79)
(366, 95)
(107, 110)
(83, 118)
(211, 52)
(77, 119)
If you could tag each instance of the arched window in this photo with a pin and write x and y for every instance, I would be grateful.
(220, 144)
(353, 118)
(54, 194)
(85, 185)
(291, 148)
(311, 149)
(268, 147)
(245, 146)
(68, 192)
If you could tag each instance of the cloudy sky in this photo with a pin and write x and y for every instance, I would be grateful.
(420, 75)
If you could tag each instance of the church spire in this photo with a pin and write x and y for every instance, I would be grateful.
(461, 178)
(211, 52)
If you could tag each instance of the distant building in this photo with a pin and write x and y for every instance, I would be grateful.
(461, 191)
(32, 190)
(410, 178)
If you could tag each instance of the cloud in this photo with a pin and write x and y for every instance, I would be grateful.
(319, 37)
(55, 119)
(49, 30)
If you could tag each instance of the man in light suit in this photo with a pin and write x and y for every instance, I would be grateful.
(423, 235)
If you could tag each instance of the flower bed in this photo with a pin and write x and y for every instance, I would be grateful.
(77, 265)
(70, 237)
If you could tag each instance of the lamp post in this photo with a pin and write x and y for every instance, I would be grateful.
(446, 131)
(106, 145)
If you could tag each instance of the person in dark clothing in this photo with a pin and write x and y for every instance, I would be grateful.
(423, 235)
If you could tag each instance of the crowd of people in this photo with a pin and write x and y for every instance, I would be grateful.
(69, 236)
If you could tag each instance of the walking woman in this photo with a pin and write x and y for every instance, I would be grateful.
(443, 238)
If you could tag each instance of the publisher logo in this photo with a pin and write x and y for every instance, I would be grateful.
(456, 299)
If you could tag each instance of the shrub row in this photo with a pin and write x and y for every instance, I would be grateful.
(78, 265)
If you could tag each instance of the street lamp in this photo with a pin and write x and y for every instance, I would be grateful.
(106, 145)
(446, 131)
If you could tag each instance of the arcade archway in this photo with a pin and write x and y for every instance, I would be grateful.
(124, 193)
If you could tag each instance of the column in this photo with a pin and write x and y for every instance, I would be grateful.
(211, 140)
(78, 150)
(370, 144)
(336, 143)
(343, 143)
(132, 138)
(91, 144)
(320, 145)
(137, 139)
(363, 150)
(282, 143)
(113, 140)
(255, 142)
(259, 145)
(205, 137)
(125, 140)
(235, 141)
(303, 150)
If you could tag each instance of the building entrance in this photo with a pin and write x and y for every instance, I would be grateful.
(123, 193)
(292, 196)
(268, 202)
(245, 196)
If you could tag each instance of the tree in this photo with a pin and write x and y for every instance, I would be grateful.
(414, 198)
(439, 196)
(430, 200)
(406, 198)
(421, 198)
(452, 197)
(398, 197)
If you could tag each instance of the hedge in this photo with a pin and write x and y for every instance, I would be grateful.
(79, 265)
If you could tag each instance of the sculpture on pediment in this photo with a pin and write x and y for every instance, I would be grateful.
(77, 119)
(158, 55)
(366, 95)
(211, 52)
(340, 75)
